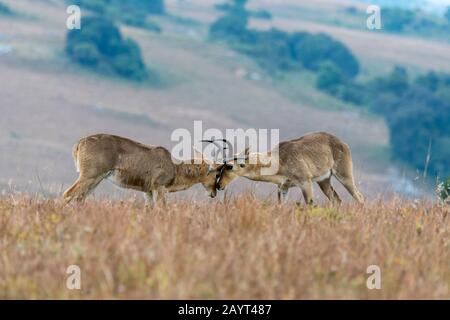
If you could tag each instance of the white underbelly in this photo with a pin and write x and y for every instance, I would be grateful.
(325, 176)
(118, 181)
(112, 177)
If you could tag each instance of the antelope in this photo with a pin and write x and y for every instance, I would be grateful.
(132, 165)
(315, 157)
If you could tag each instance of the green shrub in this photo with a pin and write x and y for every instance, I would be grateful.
(447, 14)
(429, 81)
(5, 10)
(155, 7)
(131, 12)
(443, 191)
(101, 6)
(417, 112)
(278, 50)
(86, 53)
(269, 48)
(261, 14)
(232, 25)
(313, 49)
(396, 19)
(396, 83)
(419, 123)
(352, 92)
(100, 45)
(329, 78)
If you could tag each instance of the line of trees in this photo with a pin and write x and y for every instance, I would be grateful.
(131, 12)
(417, 111)
(277, 50)
(5, 10)
(100, 46)
(404, 20)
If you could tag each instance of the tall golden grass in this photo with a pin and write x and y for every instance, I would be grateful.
(242, 248)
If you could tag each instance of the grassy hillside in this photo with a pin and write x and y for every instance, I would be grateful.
(242, 249)
(50, 102)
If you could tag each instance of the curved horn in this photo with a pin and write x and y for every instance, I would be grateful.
(217, 145)
(229, 147)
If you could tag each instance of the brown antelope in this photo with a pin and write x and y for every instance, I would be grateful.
(315, 157)
(133, 165)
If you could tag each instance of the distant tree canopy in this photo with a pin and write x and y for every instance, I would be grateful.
(5, 10)
(131, 12)
(148, 6)
(278, 50)
(329, 78)
(261, 14)
(233, 23)
(420, 122)
(418, 116)
(99, 45)
(313, 49)
(417, 111)
(400, 20)
(397, 19)
(447, 14)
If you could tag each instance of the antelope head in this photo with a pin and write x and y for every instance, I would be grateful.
(236, 166)
(217, 169)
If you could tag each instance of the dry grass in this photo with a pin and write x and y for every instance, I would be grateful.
(243, 248)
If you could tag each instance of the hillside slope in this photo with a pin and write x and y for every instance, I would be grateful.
(47, 103)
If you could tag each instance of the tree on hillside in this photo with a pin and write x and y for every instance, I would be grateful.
(156, 7)
(5, 10)
(313, 49)
(429, 81)
(148, 6)
(396, 84)
(131, 12)
(99, 45)
(447, 14)
(233, 24)
(329, 78)
(397, 19)
(269, 48)
(420, 122)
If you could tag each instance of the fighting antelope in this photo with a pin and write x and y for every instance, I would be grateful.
(315, 157)
(133, 165)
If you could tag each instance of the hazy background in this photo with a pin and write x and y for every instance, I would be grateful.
(385, 92)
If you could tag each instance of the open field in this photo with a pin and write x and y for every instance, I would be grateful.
(240, 248)
(50, 103)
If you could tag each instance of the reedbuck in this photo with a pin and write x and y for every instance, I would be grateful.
(315, 157)
(132, 165)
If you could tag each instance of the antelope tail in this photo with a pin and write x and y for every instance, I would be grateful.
(75, 155)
